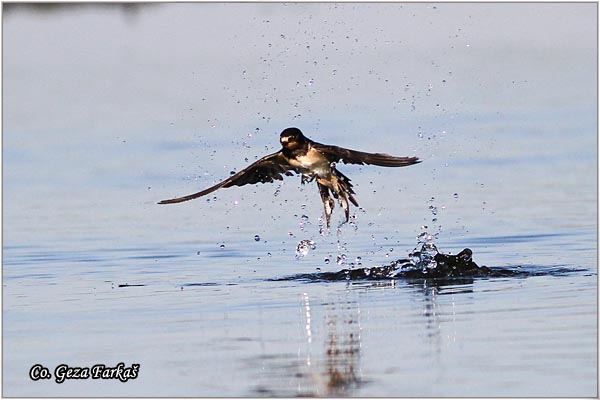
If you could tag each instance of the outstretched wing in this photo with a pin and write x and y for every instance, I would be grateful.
(267, 169)
(347, 156)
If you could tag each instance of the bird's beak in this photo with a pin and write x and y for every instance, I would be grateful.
(284, 139)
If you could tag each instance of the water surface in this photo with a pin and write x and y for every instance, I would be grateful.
(109, 109)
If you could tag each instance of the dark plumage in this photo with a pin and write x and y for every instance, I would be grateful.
(313, 160)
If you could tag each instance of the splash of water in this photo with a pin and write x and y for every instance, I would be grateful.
(304, 247)
(423, 256)
(341, 248)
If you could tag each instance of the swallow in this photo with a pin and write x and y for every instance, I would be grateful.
(313, 161)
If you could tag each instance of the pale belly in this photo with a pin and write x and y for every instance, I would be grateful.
(312, 164)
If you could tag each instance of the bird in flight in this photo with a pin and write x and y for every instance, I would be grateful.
(314, 161)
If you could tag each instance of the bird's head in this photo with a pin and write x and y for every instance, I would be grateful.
(291, 138)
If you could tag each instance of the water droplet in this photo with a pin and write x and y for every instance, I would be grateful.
(424, 238)
(269, 254)
(256, 238)
(303, 248)
(222, 246)
(327, 261)
(455, 195)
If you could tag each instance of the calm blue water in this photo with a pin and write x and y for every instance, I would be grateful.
(108, 110)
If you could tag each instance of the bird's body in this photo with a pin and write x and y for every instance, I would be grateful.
(314, 161)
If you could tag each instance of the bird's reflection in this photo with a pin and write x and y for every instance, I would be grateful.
(328, 362)
(342, 349)
(328, 359)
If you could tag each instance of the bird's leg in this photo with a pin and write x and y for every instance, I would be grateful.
(344, 202)
(328, 203)
(341, 189)
(306, 179)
